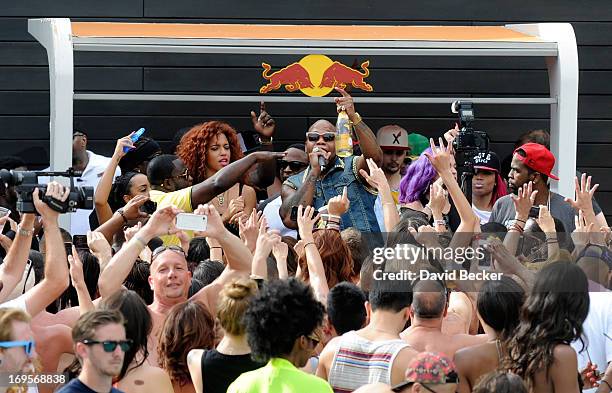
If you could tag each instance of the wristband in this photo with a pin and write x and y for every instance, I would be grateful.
(308, 244)
(24, 232)
(140, 241)
(265, 142)
(519, 220)
(440, 222)
(607, 383)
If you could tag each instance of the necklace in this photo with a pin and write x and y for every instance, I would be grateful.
(221, 199)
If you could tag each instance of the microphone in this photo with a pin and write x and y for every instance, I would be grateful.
(322, 163)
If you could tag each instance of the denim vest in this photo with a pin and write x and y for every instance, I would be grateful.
(344, 174)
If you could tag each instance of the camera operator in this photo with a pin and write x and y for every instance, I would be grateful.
(55, 279)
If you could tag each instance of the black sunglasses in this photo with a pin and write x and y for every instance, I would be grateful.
(314, 137)
(111, 345)
(293, 165)
(161, 249)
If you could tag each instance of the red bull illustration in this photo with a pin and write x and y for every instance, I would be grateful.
(339, 75)
(315, 76)
(294, 77)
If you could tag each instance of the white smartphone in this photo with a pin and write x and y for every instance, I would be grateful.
(192, 222)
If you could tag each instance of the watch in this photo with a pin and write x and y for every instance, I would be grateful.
(120, 211)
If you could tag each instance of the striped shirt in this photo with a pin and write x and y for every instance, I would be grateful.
(359, 362)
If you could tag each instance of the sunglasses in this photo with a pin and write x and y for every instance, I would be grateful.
(314, 137)
(184, 175)
(28, 346)
(293, 165)
(161, 249)
(111, 345)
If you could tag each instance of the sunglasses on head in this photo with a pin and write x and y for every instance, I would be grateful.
(314, 137)
(161, 249)
(111, 345)
(293, 165)
(28, 346)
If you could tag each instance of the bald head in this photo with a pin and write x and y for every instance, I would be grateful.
(322, 125)
(429, 299)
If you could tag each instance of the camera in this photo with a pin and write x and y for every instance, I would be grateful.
(468, 144)
(26, 181)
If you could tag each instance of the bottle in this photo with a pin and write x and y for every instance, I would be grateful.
(344, 143)
(134, 138)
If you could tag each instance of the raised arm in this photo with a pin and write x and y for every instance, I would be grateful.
(316, 270)
(236, 172)
(367, 139)
(103, 210)
(303, 195)
(117, 270)
(11, 270)
(523, 201)
(238, 257)
(441, 161)
(78, 282)
(56, 265)
(378, 180)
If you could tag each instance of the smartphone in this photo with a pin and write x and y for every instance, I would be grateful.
(134, 138)
(534, 212)
(80, 242)
(4, 211)
(68, 247)
(294, 213)
(193, 222)
(148, 207)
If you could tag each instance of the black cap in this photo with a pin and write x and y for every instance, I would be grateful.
(487, 160)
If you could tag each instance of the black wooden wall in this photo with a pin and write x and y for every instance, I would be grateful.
(24, 104)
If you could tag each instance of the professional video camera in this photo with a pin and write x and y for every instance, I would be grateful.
(467, 145)
(26, 181)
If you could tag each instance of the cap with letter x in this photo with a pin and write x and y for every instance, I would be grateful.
(392, 137)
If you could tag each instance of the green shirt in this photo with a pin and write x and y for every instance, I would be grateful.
(278, 376)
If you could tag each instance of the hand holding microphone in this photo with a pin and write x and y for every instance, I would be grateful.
(319, 159)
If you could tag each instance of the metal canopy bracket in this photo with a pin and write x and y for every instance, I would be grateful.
(554, 41)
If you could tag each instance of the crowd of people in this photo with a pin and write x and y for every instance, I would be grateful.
(284, 289)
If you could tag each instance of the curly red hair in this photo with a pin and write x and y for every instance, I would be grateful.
(335, 255)
(193, 146)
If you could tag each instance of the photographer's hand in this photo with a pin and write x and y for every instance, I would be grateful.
(55, 191)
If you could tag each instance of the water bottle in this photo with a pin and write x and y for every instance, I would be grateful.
(134, 138)
(344, 143)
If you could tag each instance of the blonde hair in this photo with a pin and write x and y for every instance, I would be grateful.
(7, 317)
(235, 299)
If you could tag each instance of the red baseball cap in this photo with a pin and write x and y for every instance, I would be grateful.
(538, 158)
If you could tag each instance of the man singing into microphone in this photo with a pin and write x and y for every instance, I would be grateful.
(328, 174)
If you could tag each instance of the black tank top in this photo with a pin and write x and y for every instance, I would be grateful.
(219, 370)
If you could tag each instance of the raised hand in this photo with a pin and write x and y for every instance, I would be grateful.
(582, 231)
(264, 124)
(266, 240)
(122, 143)
(441, 157)
(55, 191)
(306, 219)
(339, 204)
(235, 211)
(98, 245)
(76, 269)
(546, 221)
(249, 228)
(214, 227)
(450, 135)
(131, 210)
(345, 103)
(162, 222)
(376, 178)
(584, 194)
(438, 199)
(524, 200)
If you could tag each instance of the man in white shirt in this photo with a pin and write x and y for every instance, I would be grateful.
(92, 165)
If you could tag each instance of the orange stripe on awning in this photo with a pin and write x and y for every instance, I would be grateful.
(299, 32)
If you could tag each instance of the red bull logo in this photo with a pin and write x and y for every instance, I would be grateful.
(315, 76)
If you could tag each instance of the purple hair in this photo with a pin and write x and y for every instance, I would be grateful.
(418, 178)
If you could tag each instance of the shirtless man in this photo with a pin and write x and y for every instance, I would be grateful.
(429, 307)
(170, 278)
